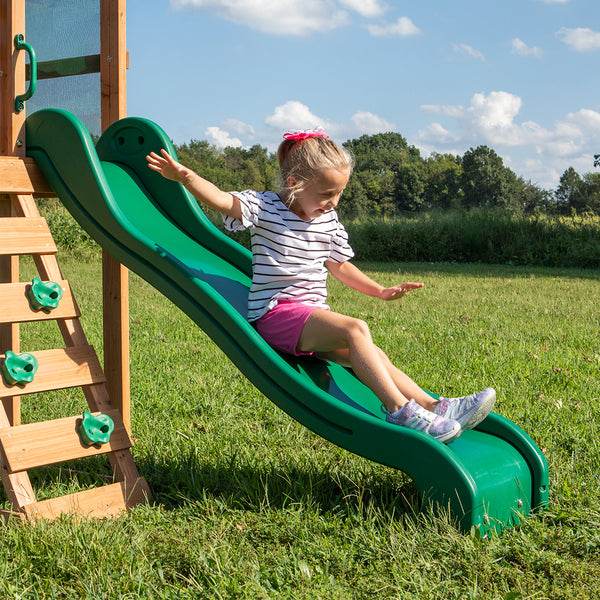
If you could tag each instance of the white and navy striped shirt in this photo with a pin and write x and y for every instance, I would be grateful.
(288, 253)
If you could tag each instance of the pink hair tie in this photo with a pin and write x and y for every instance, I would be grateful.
(304, 135)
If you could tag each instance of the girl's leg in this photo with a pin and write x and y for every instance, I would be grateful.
(348, 341)
(407, 387)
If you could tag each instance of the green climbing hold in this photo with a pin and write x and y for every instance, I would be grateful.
(95, 429)
(18, 368)
(44, 295)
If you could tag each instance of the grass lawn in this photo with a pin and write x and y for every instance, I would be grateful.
(249, 504)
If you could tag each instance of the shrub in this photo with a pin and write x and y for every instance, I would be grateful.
(67, 233)
(480, 236)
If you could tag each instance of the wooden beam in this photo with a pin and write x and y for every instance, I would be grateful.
(66, 67)
(23, 176)
(12, 143)
(12, 79)
(101, 502)
(113, 61)
(16, 485)
(9, 332)
(115, 277)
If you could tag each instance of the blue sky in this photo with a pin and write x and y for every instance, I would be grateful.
(520, 76)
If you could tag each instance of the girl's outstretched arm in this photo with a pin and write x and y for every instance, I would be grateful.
(353, 277)
(202, 189)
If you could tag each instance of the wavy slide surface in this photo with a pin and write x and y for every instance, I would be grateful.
(490, 477)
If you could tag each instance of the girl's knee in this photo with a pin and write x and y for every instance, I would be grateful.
(357, 328)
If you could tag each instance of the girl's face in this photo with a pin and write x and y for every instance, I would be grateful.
(319, 195)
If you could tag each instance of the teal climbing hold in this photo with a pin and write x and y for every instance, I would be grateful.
(44, 295)
(18, 369)
(95, 429)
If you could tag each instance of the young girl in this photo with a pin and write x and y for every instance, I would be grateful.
(296, 240)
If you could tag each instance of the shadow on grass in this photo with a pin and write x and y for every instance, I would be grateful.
(256, 488)
(324, 490)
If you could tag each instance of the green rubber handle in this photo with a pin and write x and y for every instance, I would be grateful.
(20, 44)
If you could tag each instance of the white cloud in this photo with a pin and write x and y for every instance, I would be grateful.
(522, 49)
(492, 120)
(581, 39)
(300, 17)
(284, 17)
(369, 123)
(438, 135)
(222, 138)
(443, 109)
(489, 120)
(403, 27)
(238, 127)
(292, 116)
(366, 8)
(468, 51)
(494, 113)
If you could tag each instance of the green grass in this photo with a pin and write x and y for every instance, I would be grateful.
(249, 504)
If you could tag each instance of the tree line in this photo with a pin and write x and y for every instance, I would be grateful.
(392, 178)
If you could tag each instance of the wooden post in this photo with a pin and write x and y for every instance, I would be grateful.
(113, 66)
(12, 143)
(12, 78)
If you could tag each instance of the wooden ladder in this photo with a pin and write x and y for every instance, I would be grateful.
(24, 447)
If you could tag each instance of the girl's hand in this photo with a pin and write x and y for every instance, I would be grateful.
(167, 166)
(396, 292)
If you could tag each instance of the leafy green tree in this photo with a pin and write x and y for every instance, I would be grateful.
(486, 181)
(533, 198)
(577, 193)
(353, 203)
(569, 193)
(267, 166)
(410, 186)
(205, 159)
(380, 152)
(443, 181)
(379, 190)
(387, 173)
(591, 192)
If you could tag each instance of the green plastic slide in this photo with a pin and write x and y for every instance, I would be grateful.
(489, 478)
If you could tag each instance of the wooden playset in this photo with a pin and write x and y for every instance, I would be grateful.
(490, 478)
(104, 426)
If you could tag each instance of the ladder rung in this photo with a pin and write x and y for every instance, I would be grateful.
(58, 369)
(22, 176)
(15, 306)
(105, 501)
(25, 235)
(49, 442)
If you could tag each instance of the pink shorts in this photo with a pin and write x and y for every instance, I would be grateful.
(282, 326)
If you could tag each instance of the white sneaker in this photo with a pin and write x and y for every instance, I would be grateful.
(469, 411)
(414, 416)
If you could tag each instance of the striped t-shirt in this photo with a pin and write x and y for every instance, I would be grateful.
(288, 253)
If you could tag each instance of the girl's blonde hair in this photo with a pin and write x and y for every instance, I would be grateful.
(303, 160)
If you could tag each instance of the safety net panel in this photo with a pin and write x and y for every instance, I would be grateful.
(65, 35)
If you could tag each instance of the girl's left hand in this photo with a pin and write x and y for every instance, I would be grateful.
(396, 292)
